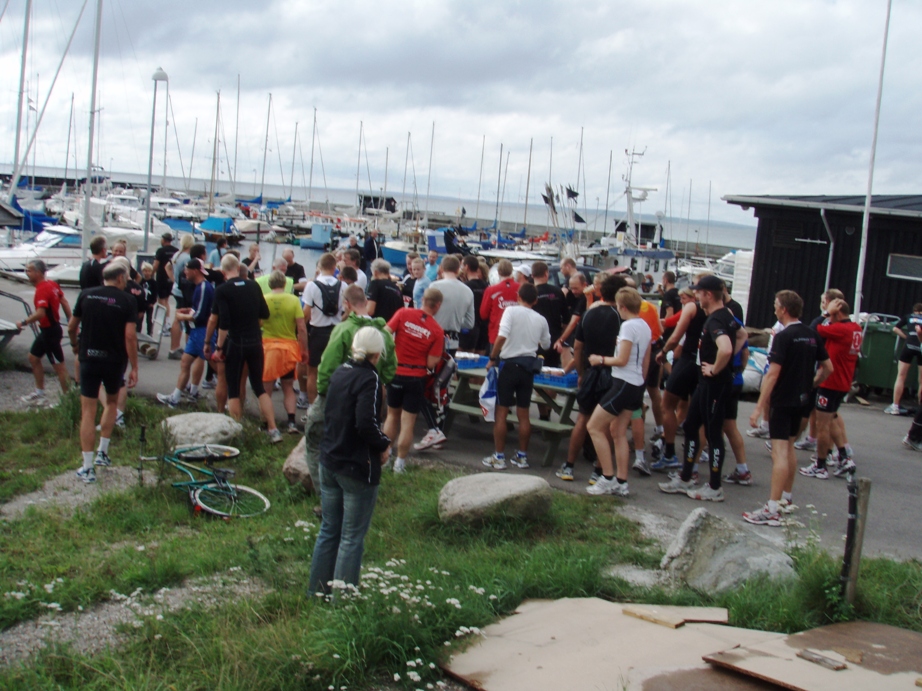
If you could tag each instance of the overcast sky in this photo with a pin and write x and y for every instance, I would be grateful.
(752, 97)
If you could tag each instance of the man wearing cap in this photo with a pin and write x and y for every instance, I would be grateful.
(709, 401)
(193, 359)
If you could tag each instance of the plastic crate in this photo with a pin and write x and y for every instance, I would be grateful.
(568, 381)
(471, 363)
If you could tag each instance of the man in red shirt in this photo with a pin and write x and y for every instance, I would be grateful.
(843, 343)
(418, 342)
(48, 297)
(497, 298)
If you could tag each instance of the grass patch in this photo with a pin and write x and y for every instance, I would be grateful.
(425, 584)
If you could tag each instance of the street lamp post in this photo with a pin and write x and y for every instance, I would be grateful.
(159, 76)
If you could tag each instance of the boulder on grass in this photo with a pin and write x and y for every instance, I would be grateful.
(201, 428)
(711, 554)
(474, 498)
(295, 469)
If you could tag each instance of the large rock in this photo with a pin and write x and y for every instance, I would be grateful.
(711, 554)
(201, 428)
(295, 469)
(474, 498)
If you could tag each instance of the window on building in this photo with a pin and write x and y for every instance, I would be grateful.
(905, 266)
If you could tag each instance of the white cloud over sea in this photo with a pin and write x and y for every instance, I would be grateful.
(754, 98)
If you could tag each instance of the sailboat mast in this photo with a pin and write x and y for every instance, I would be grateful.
(236, 139)
(531, 144)
(214, 154)
(429, 174)
(84, 241)
(22, 86)
(166, 133)
(387, 158)
(358, 165)
(607, 191)
(483, 150)
(262, 182)
(707, 229)
(499, 182)
(70, 123)
(505, 176)
(310, 179)
(294, 153)
(192, 159)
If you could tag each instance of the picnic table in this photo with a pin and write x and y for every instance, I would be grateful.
(561, 400)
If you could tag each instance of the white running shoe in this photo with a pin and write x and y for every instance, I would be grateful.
(758, 432)
(676, 485)
(813, 470)
(400, 465)
(706, 493)
(494, 462)
(34, 399)
(763, 516)
(641, 467)
(893, 409)
(433, 437)
(602, 486)
(806, 444)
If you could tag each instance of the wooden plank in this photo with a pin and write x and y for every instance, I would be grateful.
(822, 660)
(667, 613)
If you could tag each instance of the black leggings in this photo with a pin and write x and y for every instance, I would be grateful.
(237, 355)
(707, 408)
(915, 431)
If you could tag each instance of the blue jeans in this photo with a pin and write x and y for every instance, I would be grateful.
(347, 507)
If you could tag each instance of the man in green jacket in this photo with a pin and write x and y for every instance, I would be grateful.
(336, 353)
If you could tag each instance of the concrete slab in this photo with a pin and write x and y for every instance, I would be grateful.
(588, 643)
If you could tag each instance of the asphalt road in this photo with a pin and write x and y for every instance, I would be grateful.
(895, 471)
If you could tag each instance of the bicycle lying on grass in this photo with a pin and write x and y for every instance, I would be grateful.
(213, 493)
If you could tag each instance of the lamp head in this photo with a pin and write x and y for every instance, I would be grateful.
(160, 76)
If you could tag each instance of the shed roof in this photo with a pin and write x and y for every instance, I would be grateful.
(905, 205)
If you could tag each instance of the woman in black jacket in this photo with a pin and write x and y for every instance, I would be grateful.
(351, 454)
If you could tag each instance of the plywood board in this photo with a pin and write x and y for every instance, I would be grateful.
(873, 656)
(673, 616)
(588, 643)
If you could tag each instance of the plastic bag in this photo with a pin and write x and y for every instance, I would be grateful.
(488, 394)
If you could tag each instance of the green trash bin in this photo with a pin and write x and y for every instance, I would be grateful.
(880, 350)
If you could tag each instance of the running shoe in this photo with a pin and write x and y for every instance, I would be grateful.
(705, 457)
(806, 444)
(34, 399)
(763, 516)
(167, 400)
(400, 465)
(275, 436)
(706, 493)
(88, 475)
(209, 384)
(664, 464)
(594, 478)
(893, 409)
(846, 468)
(565, 473)
(119, 422)
(292, 428)
(910, 444)
(676, 485)
(758, 432)
(656, 449)
(832, 459)
(657, 434)
(768, 444)
(176, 354)
(520, 460)
(621, 490)
(494, 462)
(302, 402)
(433, 437)
(814, 470)
(738, 478)
(102, 459)
(191, 397)
(787, 506)
(641, 467)
(678, 474)
(604, 486)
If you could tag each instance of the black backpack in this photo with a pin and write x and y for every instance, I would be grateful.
(330, 298)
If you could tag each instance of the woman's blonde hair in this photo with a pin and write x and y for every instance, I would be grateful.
(367, 341)
(186, 241)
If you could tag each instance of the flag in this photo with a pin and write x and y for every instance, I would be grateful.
(463, 212)
(571, 194)
(577, 218)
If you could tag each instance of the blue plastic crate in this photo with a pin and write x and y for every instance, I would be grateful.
(469, 363)
(569, 380)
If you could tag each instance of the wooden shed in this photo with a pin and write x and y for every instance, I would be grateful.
(811, 243)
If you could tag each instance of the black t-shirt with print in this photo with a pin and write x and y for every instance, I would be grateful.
(720, 323)
(598, 331)
(386, 296)
(908, 326)
(103, 313)
(164, 255)
(797, 349)
(552, 305)
(240, 305)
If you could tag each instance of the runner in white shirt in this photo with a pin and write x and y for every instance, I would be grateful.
(320, 323)
(628, 368)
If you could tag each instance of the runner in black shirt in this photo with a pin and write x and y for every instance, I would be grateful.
(475, 340)
(238, 307)
(384, 297)
(596, 334)
(670, 303)
(91, 271)
(784, 399)
(108, 342)
(553, 307)
(912, 351)
(709, 402)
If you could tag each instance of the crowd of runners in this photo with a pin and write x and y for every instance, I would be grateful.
(232, 320)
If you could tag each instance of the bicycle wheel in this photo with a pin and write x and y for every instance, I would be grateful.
(202, 452)
(230, 501)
